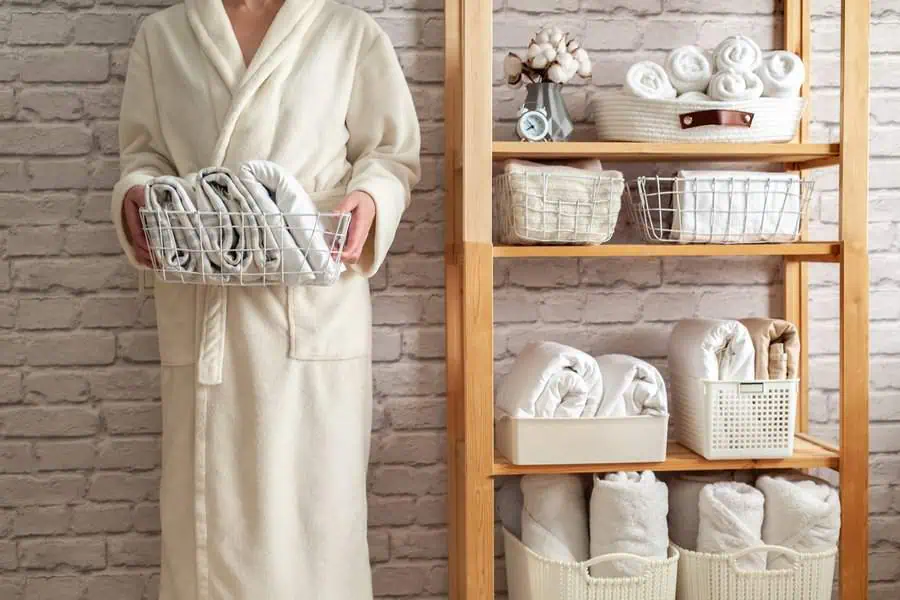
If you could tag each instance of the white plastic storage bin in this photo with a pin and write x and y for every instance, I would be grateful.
(533, 577)
(718, 577)
(624, 118)
(602, 440)
(748, 419)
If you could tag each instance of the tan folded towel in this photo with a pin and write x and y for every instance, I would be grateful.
(777, 346)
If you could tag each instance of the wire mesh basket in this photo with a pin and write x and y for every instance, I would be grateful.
(246, 248)
(539, 207)
(726, 209)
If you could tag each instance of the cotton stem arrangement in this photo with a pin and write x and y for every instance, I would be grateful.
(551, 56)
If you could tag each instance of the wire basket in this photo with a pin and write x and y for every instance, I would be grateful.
(246, 248)
(539, 207)
(728, 209)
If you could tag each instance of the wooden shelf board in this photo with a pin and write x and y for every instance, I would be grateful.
(812, 251)
(816, 155)
(808, 453)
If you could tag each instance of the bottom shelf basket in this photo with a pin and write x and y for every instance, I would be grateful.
(533, 577)
(718, 576)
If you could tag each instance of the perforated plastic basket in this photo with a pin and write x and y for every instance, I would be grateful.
(736, 419)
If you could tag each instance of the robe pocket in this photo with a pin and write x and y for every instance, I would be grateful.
(331, 323)
(176, 306)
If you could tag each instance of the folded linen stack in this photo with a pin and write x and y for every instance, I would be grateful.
(256, 225)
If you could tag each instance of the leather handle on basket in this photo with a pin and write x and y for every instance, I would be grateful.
(728, 118)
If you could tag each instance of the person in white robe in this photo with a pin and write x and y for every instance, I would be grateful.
(266, 391)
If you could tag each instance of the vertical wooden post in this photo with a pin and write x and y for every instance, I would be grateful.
(854, 332)
(796, 274)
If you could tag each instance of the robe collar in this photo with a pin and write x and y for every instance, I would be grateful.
(213, 29)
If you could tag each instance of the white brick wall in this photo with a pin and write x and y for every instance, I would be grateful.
(79, 413)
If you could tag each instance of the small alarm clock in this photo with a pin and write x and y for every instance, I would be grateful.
(533, 125)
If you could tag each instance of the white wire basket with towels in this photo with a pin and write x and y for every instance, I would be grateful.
(246, 248)
(533, 577)
(569, 206)
(720, 207)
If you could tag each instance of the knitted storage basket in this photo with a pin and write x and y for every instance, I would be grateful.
(718, 577)
(533, 577)
(619, 117)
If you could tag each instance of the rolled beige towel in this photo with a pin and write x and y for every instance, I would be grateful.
(777, 346)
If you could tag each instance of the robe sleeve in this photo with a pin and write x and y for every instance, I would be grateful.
(143, 154)
(383, 146)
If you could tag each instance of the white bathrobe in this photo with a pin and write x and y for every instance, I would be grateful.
(267, 391)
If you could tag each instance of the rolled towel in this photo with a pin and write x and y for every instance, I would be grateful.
(738, 53)
(734, 86)
(688, 69)
(684, 504)
(802, 513)
(647, 79)
(731, 519)
(233, 230)
(777, 347)
(509, 505)
(694, 97)
(549, 380)
(782, 74)
(630, 387)
(708, 349)
(554, 517)
(628, 514)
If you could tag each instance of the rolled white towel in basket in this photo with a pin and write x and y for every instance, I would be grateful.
(738, 53)
(628, 514)
(173, 229)
(734, 86)
(550, 380)
(694, 97)
(630, 387)
(736, 207)
(689, 69)
(782, 74)
(647, 79)
(554, 517)
(709, 349)
(731, 519)
(802, 513)
(684, 504)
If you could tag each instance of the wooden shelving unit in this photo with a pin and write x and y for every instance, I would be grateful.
(470, 256)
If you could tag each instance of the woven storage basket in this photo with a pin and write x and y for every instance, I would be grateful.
(619, 117)
(736, 419)
(717, 577)
(542, 207)
(532, 577)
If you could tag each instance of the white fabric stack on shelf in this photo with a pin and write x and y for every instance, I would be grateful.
(709, 349)
(684, 502)
(730, 520)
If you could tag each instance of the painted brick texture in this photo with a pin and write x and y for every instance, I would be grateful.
(79, 408)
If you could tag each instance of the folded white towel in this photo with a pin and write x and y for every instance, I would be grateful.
(731, 519)
(509, 503)
(684, 504)
(802, 513)
(738, 53)
(630, 387)
(733, 86)
(550, 380)
(694, 97)
(647, 79)
(782, 74)
(628, 514)
(689, 69)
(736, 206)
(235, 239)
(554, 517)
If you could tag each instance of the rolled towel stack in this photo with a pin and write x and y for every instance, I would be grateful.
(555, 517)
(684, 504)
(777, 346)
(739, 54)
(689, 69)
(782, 74)
(734, 86)
(647, 79)
(730, 520)
(628, 514)
(709, 349)
(630, 387)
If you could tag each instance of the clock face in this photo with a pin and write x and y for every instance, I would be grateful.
(533, 126)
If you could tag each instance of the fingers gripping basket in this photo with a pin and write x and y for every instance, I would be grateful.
(718, 576)
(533, 577)
(245, 248)
(620, 117)
(540, 207)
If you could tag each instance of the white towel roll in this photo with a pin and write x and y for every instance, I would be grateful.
(782, 74)
(732, 86)
(738, 53)
(631, 387)
(688, 69)
(684, 504)
(554, 517)
(694, 97)
(647, 79)
(731, 519)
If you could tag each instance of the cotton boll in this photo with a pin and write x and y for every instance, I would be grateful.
(512, 66)
(567, 61)
(550, 54)
(573, 46)
(581, 55)
(558, 74)
(584, 69)
(542, 37)
(539, 62)
(533, 50)
(556, 36)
